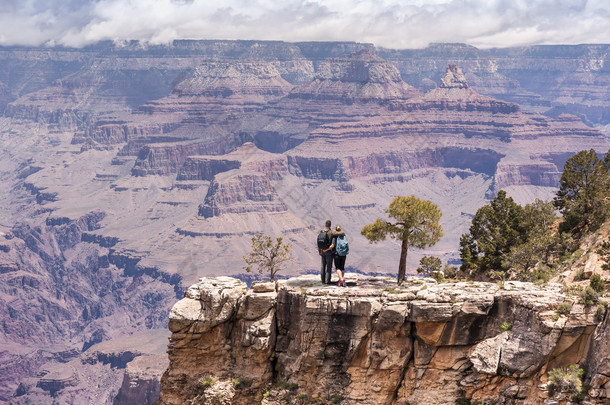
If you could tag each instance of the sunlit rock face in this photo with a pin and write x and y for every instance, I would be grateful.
(375, 342)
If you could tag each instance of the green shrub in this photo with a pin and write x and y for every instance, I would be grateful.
(450, 271)
(205, 382)
(572, 290)
(564, 308)
(541, 274)
(588, 297)
(601, 311)
(336, 398)
(429, 265)
(604, 253)
(287, 385)
(438, 276)
(597, 283)
(241, 382)
(577, 254)
(462, 401)
(579, 275)
(568, 381)
(506, 326)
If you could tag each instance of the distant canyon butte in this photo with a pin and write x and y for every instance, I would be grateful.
(130, 171)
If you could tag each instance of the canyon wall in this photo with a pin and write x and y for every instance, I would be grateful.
(378, 343)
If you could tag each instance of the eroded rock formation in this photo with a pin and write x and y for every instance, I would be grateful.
(376, 343)
(240, 192)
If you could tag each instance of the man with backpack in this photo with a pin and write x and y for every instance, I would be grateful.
(326, 251)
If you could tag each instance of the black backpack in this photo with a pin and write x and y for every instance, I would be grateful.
(323, 240)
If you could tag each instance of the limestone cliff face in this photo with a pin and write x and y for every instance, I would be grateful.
(247, 157)
(359, 77)
(239, 192)
(374, 342)
(598, 363)
(229, 78)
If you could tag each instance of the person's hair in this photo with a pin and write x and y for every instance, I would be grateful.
(328, 223)
(338, 228)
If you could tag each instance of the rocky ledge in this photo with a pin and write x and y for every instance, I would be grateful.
(375, 342)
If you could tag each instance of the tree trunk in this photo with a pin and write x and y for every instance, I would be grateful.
(402, 265)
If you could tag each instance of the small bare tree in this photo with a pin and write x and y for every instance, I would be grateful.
(267, 255)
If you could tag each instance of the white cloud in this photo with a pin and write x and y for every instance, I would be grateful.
(389, 23)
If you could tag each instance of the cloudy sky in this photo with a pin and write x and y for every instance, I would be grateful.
(388, 23)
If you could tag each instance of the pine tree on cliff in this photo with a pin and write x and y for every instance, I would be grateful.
(495, 228)
(583, 193)
(417, 225)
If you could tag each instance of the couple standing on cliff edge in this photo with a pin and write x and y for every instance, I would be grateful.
(332, 246)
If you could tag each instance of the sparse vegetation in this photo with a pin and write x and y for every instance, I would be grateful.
(506, 326)
(429, 265)
(509, 241)
(286, 385)
(308, 399)
(336, 398)
(604, 254)
(240, 382)
(564, 308)
(466, 401)
(596, 283)
(572, 290)
(588, 297)
(568, 381)
(438, 277)
(205, 382)
(304, 399)
(602, 307)
(450, 271)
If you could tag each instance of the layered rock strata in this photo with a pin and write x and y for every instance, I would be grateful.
(561, 79)
(346, 89)
(240, 192)
(363, 76)
(247, 157)
(201, 115)
(374, 342)
(141, 381)
(440, 129)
